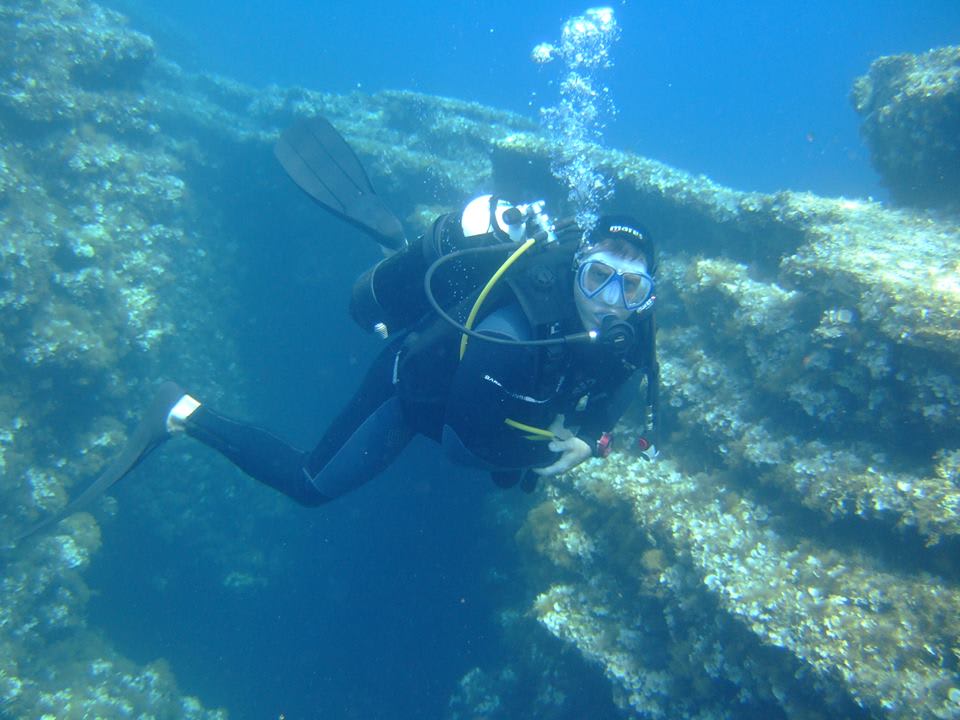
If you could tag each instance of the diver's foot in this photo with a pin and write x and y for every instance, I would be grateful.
(170, 407)
(169, 411)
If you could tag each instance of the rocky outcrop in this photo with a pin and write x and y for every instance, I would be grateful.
(794, 549)
(910, 110)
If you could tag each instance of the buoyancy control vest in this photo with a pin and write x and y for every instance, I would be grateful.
(390, 299)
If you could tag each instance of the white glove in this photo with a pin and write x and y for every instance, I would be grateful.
(572, 449)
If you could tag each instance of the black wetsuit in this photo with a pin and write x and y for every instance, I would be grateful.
(419, 385)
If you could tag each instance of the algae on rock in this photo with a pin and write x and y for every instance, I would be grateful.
(910, 108)
(809, 359)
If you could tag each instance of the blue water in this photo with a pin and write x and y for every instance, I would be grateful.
(753, 94)
(397, 587)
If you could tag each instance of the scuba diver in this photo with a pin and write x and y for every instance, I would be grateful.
(513, 342)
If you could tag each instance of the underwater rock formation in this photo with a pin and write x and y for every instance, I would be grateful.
(792, 554)
(910, 109)
(130, 196)
(794, 550)
(99, 238)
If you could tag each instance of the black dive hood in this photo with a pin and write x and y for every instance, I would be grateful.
(627, 229)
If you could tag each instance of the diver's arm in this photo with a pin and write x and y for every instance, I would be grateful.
(600, 418)
(594, 437)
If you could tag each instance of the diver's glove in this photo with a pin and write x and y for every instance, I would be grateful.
(572, 449)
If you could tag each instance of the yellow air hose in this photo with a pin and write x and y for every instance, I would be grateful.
(514, 256)
(533, 433)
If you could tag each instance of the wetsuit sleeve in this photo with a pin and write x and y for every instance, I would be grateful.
(623, 389)
(602, 415)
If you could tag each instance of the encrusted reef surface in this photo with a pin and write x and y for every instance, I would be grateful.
(793, 553)
(98, 238)
(133, 200)
(910, 108)
(794, 550)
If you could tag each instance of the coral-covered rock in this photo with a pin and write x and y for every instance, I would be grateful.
(809, 352)
(910, 109)
(58, 59)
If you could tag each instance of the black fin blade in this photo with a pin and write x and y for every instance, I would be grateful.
(150, 433)
(324, 166)
(131, 456)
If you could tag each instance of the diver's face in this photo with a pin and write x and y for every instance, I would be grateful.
(607, 285)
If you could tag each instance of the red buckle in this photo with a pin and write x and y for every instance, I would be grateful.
(604, 445)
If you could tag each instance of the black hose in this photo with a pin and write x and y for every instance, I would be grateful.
(428, 289)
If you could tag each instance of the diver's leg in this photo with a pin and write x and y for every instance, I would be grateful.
(260, 454)
(363, 440)
(367, 435)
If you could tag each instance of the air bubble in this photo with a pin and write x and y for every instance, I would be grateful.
(576, 123)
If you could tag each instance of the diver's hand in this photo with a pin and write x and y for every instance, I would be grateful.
(573, 451)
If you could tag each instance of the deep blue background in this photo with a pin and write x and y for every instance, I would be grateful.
(753, 94)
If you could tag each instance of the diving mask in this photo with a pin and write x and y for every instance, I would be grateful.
(600, 279)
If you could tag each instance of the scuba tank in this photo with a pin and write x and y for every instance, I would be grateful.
(389, 296)
(470, 246)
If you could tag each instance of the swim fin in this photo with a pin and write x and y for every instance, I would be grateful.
(324, 166)
(150, 434)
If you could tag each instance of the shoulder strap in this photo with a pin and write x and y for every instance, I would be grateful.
(542, 284)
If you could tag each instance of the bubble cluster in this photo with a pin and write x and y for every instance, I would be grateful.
(578, 120)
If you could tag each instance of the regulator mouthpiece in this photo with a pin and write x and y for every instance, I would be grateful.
(618, 334)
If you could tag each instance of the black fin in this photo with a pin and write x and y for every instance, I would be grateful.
(324, 166)
(150, 433)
